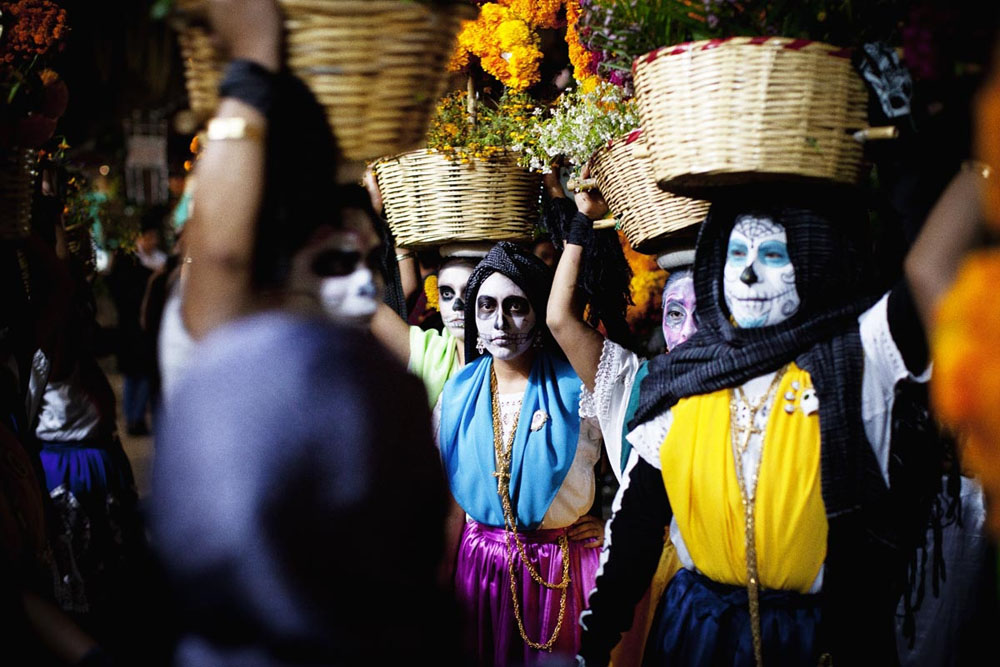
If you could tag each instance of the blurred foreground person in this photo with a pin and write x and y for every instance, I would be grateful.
(279, 475)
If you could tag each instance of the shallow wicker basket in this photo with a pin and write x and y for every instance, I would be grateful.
(648, 215)
(17, 180)
(742, 110)
(377, 66)
(430, 200)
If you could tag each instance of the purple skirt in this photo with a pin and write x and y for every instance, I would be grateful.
(482, 583)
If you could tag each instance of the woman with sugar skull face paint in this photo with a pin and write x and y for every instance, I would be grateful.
(520, 463)
(787, 389)
(431, 355)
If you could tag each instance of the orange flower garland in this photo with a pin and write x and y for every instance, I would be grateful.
(37, 27)
(579, 56)
(646, 285)
(505, 44)
(536, 13)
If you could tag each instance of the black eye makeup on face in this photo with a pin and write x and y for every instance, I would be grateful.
(486, 304)
(516, 305)
(333, 263)
(447, 294)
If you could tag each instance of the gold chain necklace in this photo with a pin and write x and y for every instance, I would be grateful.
(503, 454)
(749, 495)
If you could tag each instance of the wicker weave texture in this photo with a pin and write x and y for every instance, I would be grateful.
(724, 112)
(430, 200)
(377, 66)
(648, 215)
(17, 179)
(202, 69)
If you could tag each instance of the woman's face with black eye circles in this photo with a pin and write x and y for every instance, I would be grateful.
(452, 281)
(505, 320)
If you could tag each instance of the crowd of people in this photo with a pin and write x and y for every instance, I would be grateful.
(341, 480)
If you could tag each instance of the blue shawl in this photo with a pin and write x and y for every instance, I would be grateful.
(540, 459)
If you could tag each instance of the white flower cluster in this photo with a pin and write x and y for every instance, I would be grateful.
(579, 124)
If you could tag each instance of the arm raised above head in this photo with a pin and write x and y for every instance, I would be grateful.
(231, 169)
(564, 316)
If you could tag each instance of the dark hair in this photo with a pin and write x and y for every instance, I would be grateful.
(300, 170)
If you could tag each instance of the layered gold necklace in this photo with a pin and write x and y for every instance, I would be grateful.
(748, 494)
(503, 453)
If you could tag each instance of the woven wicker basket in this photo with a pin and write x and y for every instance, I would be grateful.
(430, 200)
(202, 68)
(724, 112)
(17, 180)
(647, 214)
(377, 66)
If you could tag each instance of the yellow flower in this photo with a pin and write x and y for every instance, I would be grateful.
(431, 292)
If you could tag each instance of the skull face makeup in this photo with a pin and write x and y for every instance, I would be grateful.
(505, 319)
(347, 289)
(678, 309)
(452, 281)
(759, 278)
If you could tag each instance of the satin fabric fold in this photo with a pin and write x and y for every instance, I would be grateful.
(482, 585)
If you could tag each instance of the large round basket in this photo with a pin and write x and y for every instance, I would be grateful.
(749, 109)
(430, 199)
(377, 66)
(648, 215)
(17, 179)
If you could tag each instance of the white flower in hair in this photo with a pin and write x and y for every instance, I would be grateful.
(538, 420)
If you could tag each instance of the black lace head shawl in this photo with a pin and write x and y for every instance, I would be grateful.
(827, 248)
(526, 271)
(831, 267)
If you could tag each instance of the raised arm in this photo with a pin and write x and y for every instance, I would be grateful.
(390, 330)
(564, 316)
(231, 172)
(952, 228)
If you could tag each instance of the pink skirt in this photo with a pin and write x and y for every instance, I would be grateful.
(482, 583)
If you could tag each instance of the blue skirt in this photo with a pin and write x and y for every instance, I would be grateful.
(702, 622)
(97, 529)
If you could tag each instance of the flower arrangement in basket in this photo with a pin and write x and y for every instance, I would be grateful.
(599, 127)
(34, 98)
(467, 184)
(800, 117)
(472, 181)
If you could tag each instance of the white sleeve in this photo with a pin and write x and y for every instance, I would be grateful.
(884, 368)
(648, 437)
(608, 403)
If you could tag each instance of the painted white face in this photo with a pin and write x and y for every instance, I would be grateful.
(505, 319)
(347, 289)
(759, 278)
(452, 281)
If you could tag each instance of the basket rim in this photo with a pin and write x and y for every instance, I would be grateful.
(786, 43)
(434, 151)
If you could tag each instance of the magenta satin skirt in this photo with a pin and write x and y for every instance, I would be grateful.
(482, 583)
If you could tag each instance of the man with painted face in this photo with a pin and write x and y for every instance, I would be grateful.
(763, 445)
(277, 467)
(520, 463)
